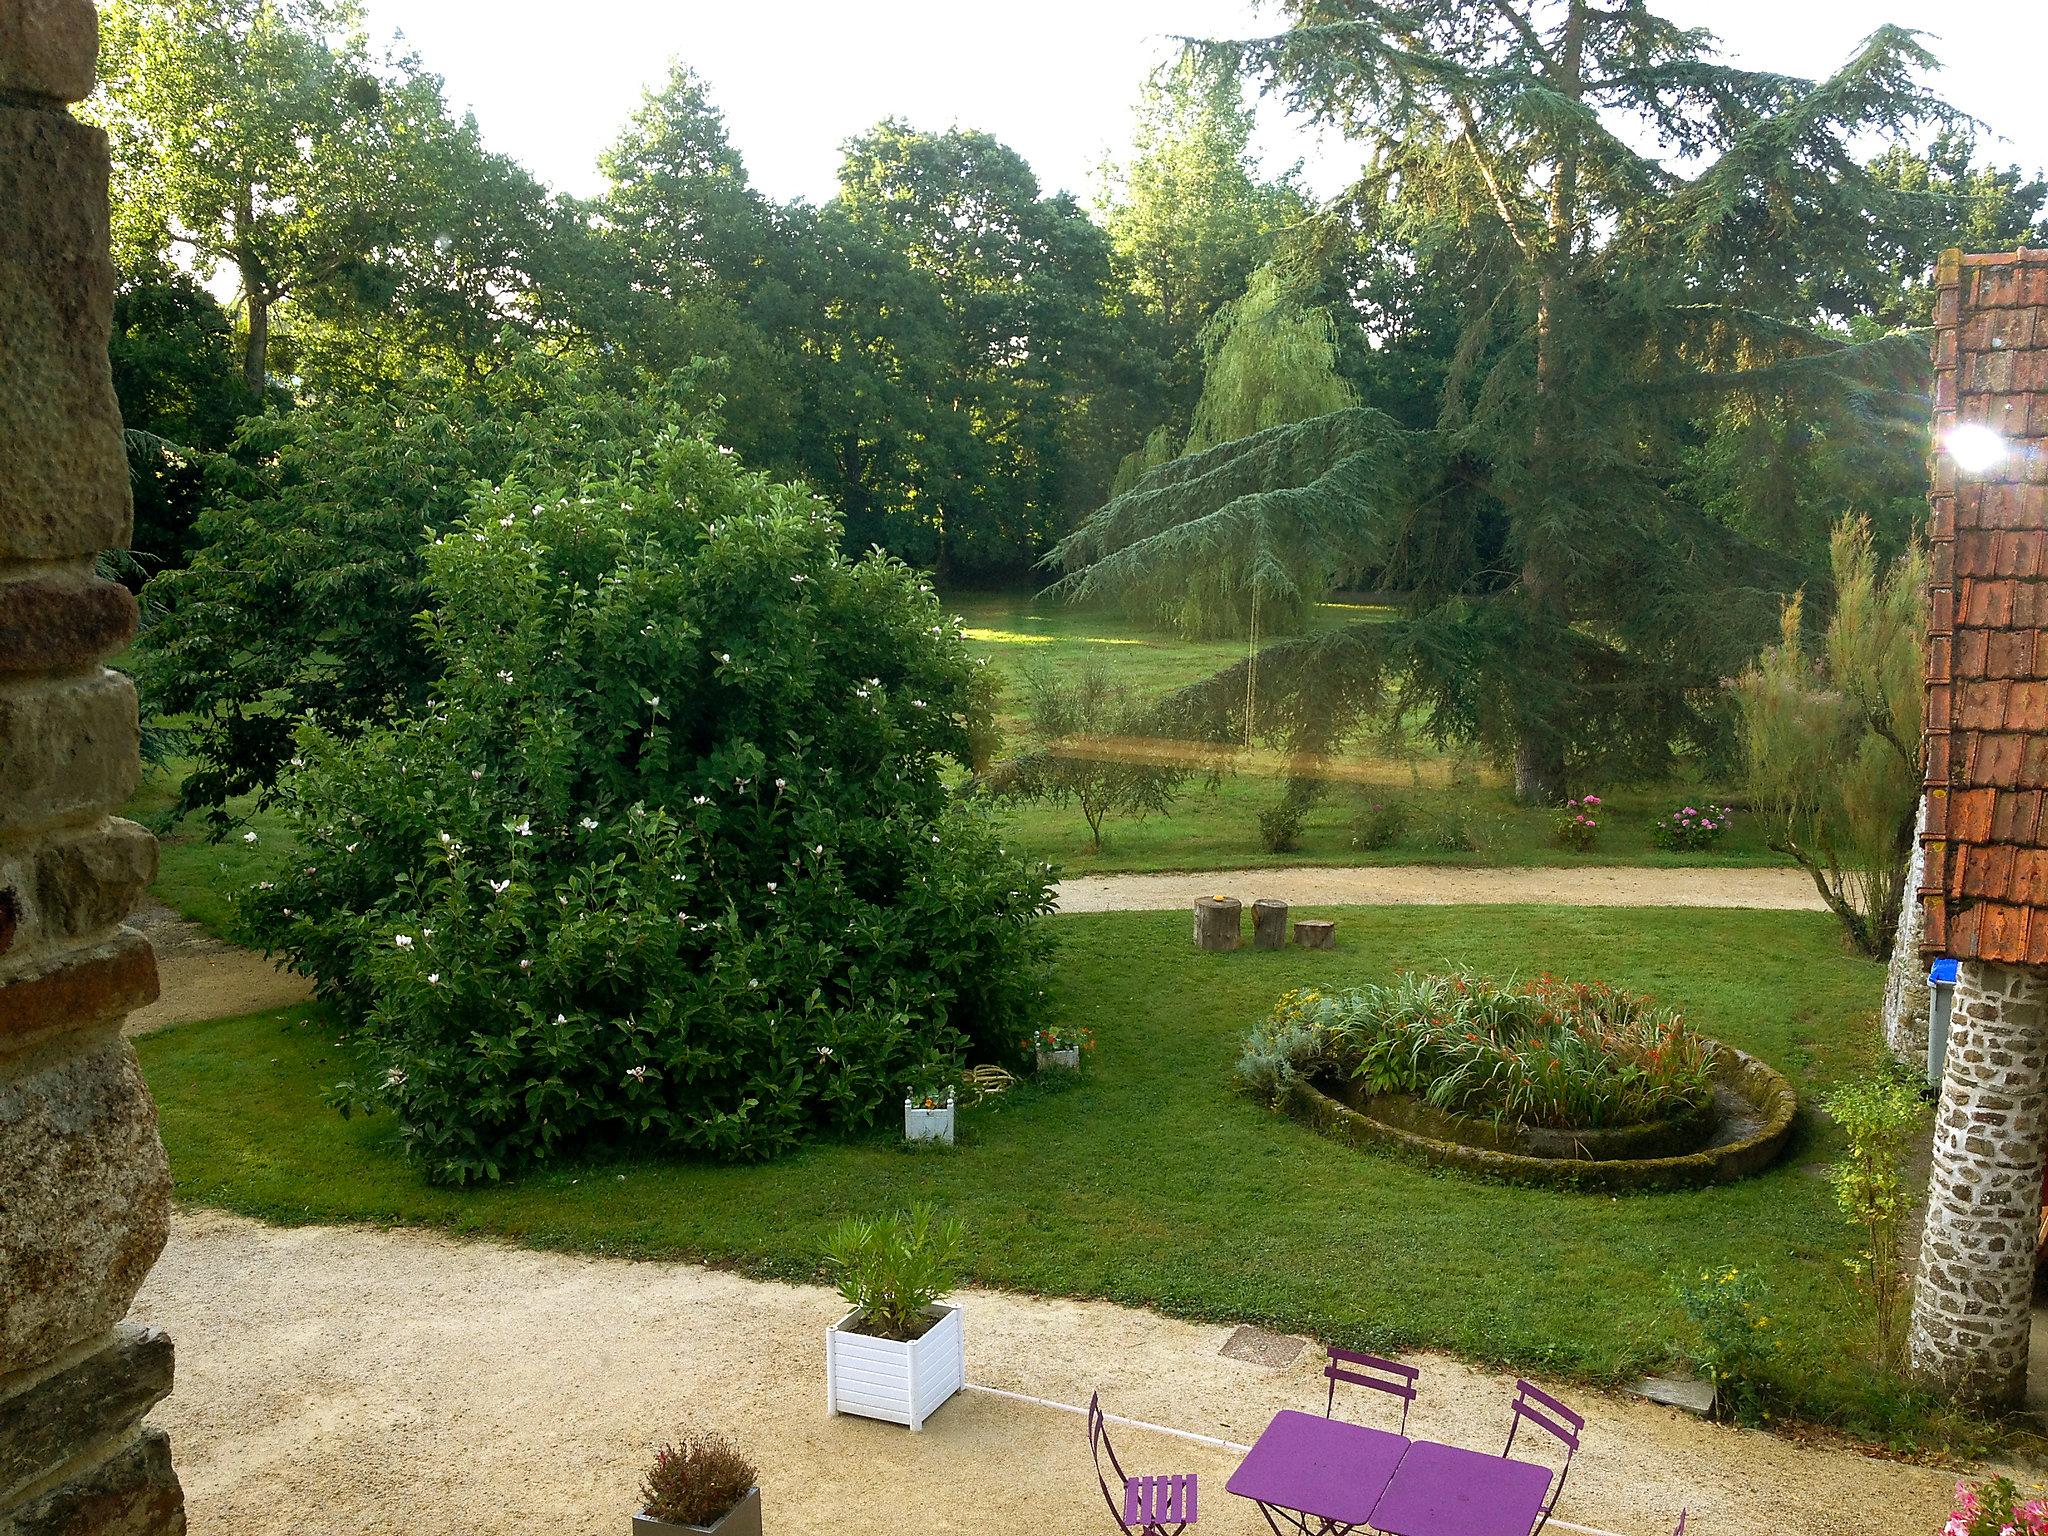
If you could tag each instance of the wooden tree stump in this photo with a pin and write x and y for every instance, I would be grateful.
(1269, 924)
(1310, 934)
(1219, 922)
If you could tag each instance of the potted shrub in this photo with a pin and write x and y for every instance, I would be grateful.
(928, 1113)
(704, 1484)
(1061, 1047)
(900, 1352)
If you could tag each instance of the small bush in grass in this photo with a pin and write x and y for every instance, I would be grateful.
(1732, 1339)
(893, 1267)
(1691, 828)
(1381, 824)
(1093, 748)
(1453, 826)
(696, 1482)
(1881, 1116)
(1577, 824)
(668, 860)
(1573, 1055)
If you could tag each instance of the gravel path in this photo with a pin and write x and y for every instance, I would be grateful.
(202, 978)
(353, 1380)
(1431, 885)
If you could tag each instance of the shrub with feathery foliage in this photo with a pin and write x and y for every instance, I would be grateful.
(666, 859)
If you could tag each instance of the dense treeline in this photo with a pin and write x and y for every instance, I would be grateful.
(1488, 390)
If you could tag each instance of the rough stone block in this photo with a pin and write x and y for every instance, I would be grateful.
(75, 989)
(87, 1194)
(67, 747)
(134, 1492)
(87, 1402)
(55, 623)
(63, 474)
(48, 48)
(72, 890)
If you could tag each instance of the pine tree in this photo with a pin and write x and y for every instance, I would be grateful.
(1562, 602)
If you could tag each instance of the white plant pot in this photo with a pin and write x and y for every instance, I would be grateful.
(902, 1381)
(928, 1124)
(1068, 1060)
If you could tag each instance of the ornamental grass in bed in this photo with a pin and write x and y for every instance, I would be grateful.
(1537, 1052)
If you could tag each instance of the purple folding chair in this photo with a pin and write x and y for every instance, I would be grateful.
(1143, 1506)
(1551, 1416)
(1388, 1376)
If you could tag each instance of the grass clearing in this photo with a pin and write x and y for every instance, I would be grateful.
(1217, 827)
(1150, 1182)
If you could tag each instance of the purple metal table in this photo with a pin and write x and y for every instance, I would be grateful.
(1308, 1469)
(1440, 1490)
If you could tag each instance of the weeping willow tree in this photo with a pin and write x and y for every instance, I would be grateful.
(1563, 603)
(1832, 736)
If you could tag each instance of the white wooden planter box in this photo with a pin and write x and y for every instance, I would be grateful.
(1068, 1060)
(928, 1124)
(903, 1382)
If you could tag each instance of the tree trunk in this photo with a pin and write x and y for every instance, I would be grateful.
(1219, 922)
(256, 354)
(1269, 925)
(1539, 744)
(1314, 934)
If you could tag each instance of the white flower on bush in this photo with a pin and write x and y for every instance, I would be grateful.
(248, 837)
(433, 978)
(561, 1018)
(701, 800)
(298, 762)
(504, 677)
(771, 887)
(403, 941)
(824, 1053)
(262, 885)
(588, 823)
(394, 1078)
(782, 783)
(636, 1074)
(476, 773)
(526, 965)
(500, 887)
(523, 826)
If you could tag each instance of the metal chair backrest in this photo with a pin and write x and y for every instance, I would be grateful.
(1147, 1502)
(1388, 1376)
(1553, 1418)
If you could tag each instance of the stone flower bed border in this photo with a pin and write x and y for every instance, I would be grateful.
(1736, 1071)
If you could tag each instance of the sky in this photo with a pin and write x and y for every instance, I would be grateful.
(550, 84)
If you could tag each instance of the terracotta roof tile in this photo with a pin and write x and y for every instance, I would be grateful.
(1986, 757)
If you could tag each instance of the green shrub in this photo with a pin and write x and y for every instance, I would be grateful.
(1293, 1045)
(666, 860)
(1575, 1055)
(1732, 1339)
(1881, 1116)
(1577, 824)
(1453, 826)
(1092, 748)
(697, 1482)
(1381, 824)
(893, 1267)
(1691, 828)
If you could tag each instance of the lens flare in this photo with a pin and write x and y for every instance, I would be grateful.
(1976, 447)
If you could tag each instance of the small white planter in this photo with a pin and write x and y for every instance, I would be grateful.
(1068, 1060)
(902, 1381)
(928, 1124)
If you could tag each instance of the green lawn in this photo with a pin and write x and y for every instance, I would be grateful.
(198, 877)
(1218, 828)
(1150, 1182)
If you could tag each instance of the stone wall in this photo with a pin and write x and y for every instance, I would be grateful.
(1976, 1279)
(84, 1188)
(1906, 999)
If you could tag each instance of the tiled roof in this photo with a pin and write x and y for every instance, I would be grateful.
(1986, 880)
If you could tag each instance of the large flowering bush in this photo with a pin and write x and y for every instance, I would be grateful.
(1544, 1052)
(1691, 828)
(1996, 1509)
(667, 859)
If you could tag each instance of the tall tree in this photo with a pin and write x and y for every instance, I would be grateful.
(1036, 370)
(1564, 605)
(264, 138)
(1190, 213)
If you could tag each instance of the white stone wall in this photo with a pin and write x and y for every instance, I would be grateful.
(1905, 987)
(1976, 1278)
